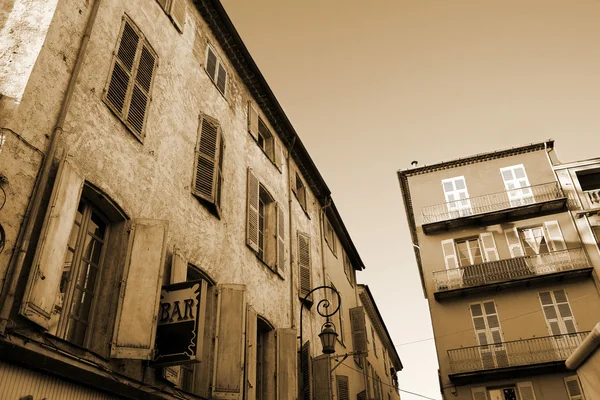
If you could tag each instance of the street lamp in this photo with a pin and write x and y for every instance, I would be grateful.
(328, 334)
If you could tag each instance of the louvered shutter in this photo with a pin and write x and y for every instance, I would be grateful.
(449, 254)
(489, 247)
(550, 313)
(177, 12)
(514, 243)
(122, 68)
(228, 372)
(48, 262)
(139, 299)
(219, 179)
(222, 79)
(252, 120)
(141, 92)
(278, 154)
(304, 264)
(251, 344)
(286, 363)
(564, 311)
(359, 330)
(342, 387)
(555, 237)
(306, 369)
(280, 241)
(211, 63)
(362, 395)
(322, 378)
(206, 172)
(479, 393)
(252, 211)
(526, 391)
(574, 388)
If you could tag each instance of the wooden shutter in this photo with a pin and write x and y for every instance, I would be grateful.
(557, 312)
(179, 267)
(304, 264)
(489, 247)
(306, 368)
(479, 393)
(211, 63)
(278, 154)
(322, 378)
(139, 299)
(342, 387)
(449, 253)
(48, 262)
(208, 147)
(222, 79)
(286, 363)
(252, 211)
(564, 311)
(567, 186)
(280, 261)
(252, 120)
(555, 237)
(251, 344)
(526, 391)
(574, 388)
(228, 372)
(177, 13)
(550, 313)
(514, 243)
(122, 68)
(141, 92)
(359, 330)
(362, 395)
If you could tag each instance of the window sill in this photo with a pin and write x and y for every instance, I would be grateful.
(211, 207)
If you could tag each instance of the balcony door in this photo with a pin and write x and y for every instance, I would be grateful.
(517, 185)
(489, 335)
(457, 197)
(560, 322)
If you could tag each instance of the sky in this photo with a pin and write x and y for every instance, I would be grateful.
(372, 85)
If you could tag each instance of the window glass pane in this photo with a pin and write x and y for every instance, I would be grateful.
(554, 328)
(564, 310)
(496, 337)
(570, 325)
(476, 309)
(482, 338)
(519, 172)
(87, 277)
(490, 308)
(550, 312)
(460, 184)
(546, 298)
(560, 296)
(493, 321)
(448, 187)
(76, 331)
(507, 175)
(479, 323)
(96, 226)
(82, 302)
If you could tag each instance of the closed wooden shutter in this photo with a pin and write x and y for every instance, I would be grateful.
(252, 211)
(322, 378)
(479, 393)
(286, 363)
(359, 330)
(304, 263)
(140, 97)
(208, 147)
(135, 326)
(251, 344)
(252, 120)
(557, 312)
(526, 391)
(449, 253)
(489, 247)
(177, 12)
(306, 369)
(342, 387)
(228, 372)
(280, 241)
(362, 395)
(574, 388)
(555, 237)
(48, 262)
(514, 243)
(222, 79)
(211, 63)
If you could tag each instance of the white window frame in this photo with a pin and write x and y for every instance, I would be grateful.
(518, 189)
(560, 320)
(462, 205)
(469, 251)
(574, 378)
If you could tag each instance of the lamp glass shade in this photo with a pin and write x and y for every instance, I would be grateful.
(328, 336)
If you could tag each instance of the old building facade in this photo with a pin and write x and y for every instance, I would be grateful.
(509, 281)
(142, 147)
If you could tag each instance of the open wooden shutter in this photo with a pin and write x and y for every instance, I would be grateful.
(359, 330)
(280, 261)
(141, 92)
(251, 344)
(449, 253)
(48, 262)
(278, 154)
(135, 326)
(306, 370)
(555, 237)
(574, 388)
(177, 13)
(489, 247)
(286, 363)
(514, 243)
(526, 391)
(342, 387)
(211, 63)
(208, 147)
(304, 264)
(252, 211)
(322, 378)
(252, 120)
(567, 186)
(222, 79)
(228, 373)
(479, 393)
(122, 68)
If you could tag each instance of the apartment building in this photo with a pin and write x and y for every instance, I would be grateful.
(142, 149)
(507, 276)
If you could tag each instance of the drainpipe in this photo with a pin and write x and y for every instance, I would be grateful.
(590, 344)
(16, 265)
(289, 185)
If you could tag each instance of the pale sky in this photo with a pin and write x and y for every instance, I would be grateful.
(372, 85)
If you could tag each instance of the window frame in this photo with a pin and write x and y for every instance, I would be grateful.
(519, 195)
(457, 205)
(299, 189)
(560, 320)
(468, 240)
(330, 236)
(218, 63)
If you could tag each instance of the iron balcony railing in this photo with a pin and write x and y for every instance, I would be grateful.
(516, 353)
(594, 197)
(492, 202)
(510, 269)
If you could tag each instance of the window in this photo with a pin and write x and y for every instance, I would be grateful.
(129, 89)
(304, 264)
(342, 387)
(535, 240)
(339, 315)
(348, 270)
(299, 190)
(457, 196)
(470, 251)
(487, 329)
(265, 139)
(207, 181)
(573, 387)
(557, 311)
(176, 10)
(374, 343)
(330, 238)
(265, 337)
(517, 185)
(265, 229)
(524, 390)
(215, 69)
(589, 180)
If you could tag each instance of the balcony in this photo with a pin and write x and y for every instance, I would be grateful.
(593, 197)
(503, 359)
(494, 208)
(558, 265)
